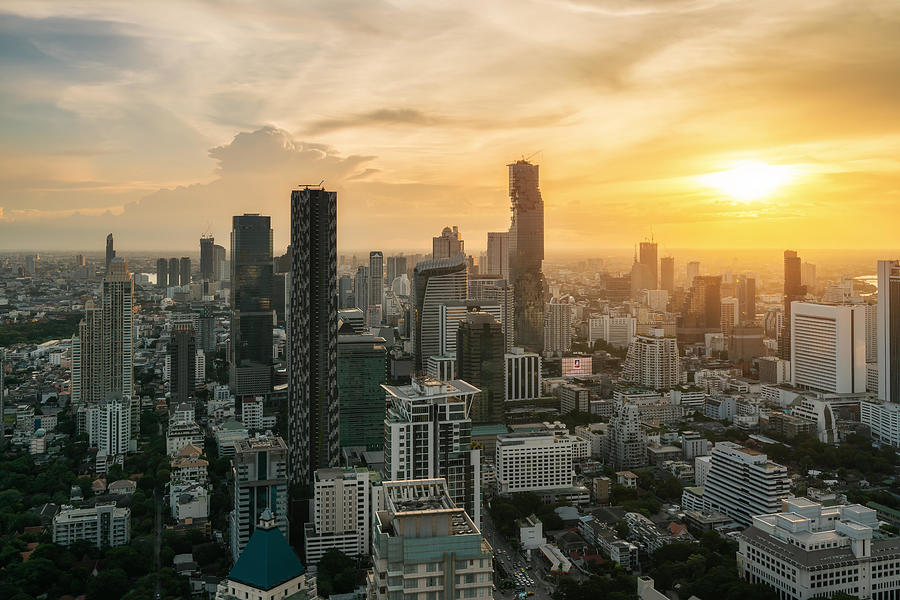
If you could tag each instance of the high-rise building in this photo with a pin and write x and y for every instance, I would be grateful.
(109, 425)
(396, 266)
(794, 291)
(343, 503)
(745, 290)
(435, 282)
(729, 313)
(808, 275)
(667, 274)
(537, 461)
(691, 270)
(480, 351)
(88, 357)
(173, 272)
(220, 270)
(207, 258)
(828, 347)
(498, 292)
(361, 369)
(376, 280)
(448, 244)
(259, 471)
(2, 399)
(498, 253)
(428, 434)
(522, 372)
(162, 272)
(182, 362)
(361, 288)
(558, 327)
(423, 540)
(110, 250)
(615, 331)
(118, 330)
(526, 255)
(702, 310)
(625, 446)
(184, 270)
(252, 315)
(652, 361)
(888, 351)
(313, 408)
(345, 292)
(649, 253)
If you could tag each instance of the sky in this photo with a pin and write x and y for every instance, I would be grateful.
(159, 121)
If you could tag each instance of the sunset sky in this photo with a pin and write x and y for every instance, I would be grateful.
(158, 122)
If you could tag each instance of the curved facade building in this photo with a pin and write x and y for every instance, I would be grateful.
(435, 282)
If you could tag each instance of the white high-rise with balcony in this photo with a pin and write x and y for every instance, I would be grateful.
(652, 361)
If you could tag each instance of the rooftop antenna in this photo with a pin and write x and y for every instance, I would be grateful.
(306, 186)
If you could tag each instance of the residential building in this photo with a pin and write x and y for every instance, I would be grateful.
(558, 326)
(615, 331)
(260, 473)
(109, 425)
(828, 347)
(180, 435)
(625, 446)
(652, 361)
(189, 502)
(104, 525)
(182, 359)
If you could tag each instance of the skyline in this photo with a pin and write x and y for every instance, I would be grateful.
(120, 118)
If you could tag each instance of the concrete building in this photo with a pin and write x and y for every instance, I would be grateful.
(534, 461)
(652, 361)
(523, 375)
(828, 347)
(480, 351)
(259, 469)
(558, 327)
(104, 525)
(448, 244)
(616, 331)
(109, 426)
(182, 361)
(573, 397)
(883, 420)
(626, 446)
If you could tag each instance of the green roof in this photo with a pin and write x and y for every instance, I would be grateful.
(489, 429)
(885, 509)
(267, 561)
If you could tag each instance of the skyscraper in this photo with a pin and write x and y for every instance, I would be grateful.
(251, 305)
(434, 283)
(162, 272)
(207, 257)
(118, 329)
(376, 279)
(448, 244)
(498, 253)
(480, 350)
(889, 330)
(558, 326)
(345, 292)
(110, 250)
(652, 361)
(173, 272)
(828, 350)
(184, 270)
(219, 261)
(313, 409)
(361, 288)
(396, 266)
(649, 252)
(746, 297)
(361, 371)
(526, 254)
(690, 271)
(793, 291)
(182, 361)
(667, 274)
(702, 309)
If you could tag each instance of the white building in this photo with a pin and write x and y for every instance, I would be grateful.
(616, 331)
(625, 444)
(342, 505)
(109, 425)
(883, 420)
(181, 435)
(807, 550)
(534, 461)
(522, 371)
(652, 361)
(103, 525)
(740, 484)
(888, 330)
(828, 347)
(188, 501)
(558, 326)
(252, 413)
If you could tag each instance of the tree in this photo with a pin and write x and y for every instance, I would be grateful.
(337, 573)
(109, 584)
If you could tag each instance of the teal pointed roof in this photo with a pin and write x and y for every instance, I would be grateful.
(267, 560)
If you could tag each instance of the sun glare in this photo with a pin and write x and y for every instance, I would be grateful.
(750, 180)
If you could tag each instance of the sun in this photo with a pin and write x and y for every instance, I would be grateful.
(749, 180)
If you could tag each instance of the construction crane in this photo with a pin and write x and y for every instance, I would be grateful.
(306, 186)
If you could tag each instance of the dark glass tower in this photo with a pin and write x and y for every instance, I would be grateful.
(251, 305)
(793, 290)
(667, 274)
(110, 250)
(649, 253)
(526, 255)
(207, 257)
(162, 272)
(361, 371)
(313, 410)
(182, 362)
(480, 350)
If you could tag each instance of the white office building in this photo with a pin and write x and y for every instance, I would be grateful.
(343, 503)
(616, 331)
(807, 550)
(522, 371)
(652, 361)
(534, 461)
(103, 525)
(740, 484)
(828, 347)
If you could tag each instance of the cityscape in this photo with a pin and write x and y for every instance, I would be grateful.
(519, 380)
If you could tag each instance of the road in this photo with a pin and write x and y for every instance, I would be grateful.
(510, 559)
(157, 543)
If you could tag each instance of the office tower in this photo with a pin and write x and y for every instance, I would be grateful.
(354, 318)
(448, 245)
(526, 255)
(182, 362)
(345, 292)
(280, 296)
(117, 330)
(435, 282)
(109, 425)
(535, 461)
(376, 280)
(184, 270)
(649, 252)
(110, 251)
(361, 369)
(396, 266)
(162, 272)
(173, 272)
(480, 350)
(741, 483)
(615, 331)
(453, 316)
(423, 540)
(793, 291)
(625, 446)
(104, 525)
(498, 253)
(259, 471)
(828, 347)
(343, 503)
(361, 288)
(558, 327)
(702, 309)
(808, 275)
(522, 374)
(207, 257)
(888, 350)
(80, 260)
(220, 271)
(746, 299)
(691, 270)
(206, 331)
(729, 312)
(496, 292)
(667, 274)
(251, 305)
(313, 409)
(428, 434)
(652, 361)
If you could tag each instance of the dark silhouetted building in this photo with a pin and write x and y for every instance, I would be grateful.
(182, 362)
(361, 371)
(207, 258)
(745, 290)
(702, 310)
(110, 250)
(526, 255)
(649, 253)
(480, 350)
(173, 272)
(162, 272)
(184, 268)
(667, 274)
(794, 290)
